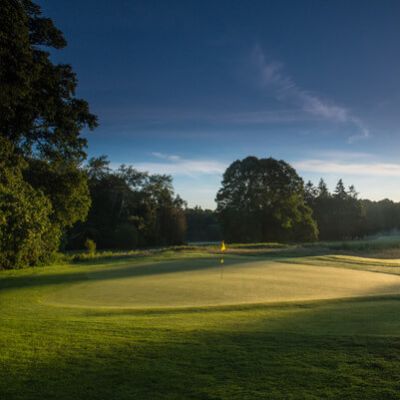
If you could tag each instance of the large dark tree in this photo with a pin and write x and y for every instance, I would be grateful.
(263, 200)
(39, 111)
(40, 118)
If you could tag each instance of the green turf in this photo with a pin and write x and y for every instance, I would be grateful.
(113, 331)
(208, 282)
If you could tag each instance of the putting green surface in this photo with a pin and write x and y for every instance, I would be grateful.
(142, 328)
(207, 282)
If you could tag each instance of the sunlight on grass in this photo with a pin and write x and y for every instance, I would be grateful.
(205, 282)
(239, 351)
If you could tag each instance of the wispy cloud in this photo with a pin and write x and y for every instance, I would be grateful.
(171, 116)
(175, 165)
(272, 75)
(344, 155)
(348, 168)
(163, 156)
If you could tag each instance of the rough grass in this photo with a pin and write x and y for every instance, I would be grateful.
(320, 349)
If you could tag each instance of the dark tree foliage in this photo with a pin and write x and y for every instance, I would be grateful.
(380, 217)
(202, 225)
(26, 233)
(65, 184)
(130, 209)
(339, 215)
(41, 119)
(39, 111)
(263, 200)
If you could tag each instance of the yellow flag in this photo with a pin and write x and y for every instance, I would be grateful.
(223, 247)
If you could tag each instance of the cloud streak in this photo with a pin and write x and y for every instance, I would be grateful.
(163, 156)
(348, 168)
(177, 166)
(286, 90)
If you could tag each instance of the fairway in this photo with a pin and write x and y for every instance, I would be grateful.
(207, 282)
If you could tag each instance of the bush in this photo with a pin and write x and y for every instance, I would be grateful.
(90, 246)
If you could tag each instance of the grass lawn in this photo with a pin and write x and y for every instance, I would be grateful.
(184, 326)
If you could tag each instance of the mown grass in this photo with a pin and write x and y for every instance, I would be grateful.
(336, 349)
(383, 247)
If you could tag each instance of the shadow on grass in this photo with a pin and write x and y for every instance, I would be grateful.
(138, 269)
(134, 266)
(253, 358)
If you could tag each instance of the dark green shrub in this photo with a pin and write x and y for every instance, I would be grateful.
(90, 246)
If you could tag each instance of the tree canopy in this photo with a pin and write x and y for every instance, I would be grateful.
(263, 200)
(339, 215)
(26, 233)
(130, 208)
(39, 112)
(41, 121)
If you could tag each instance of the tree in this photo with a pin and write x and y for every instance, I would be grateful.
(263, 200)
(171, 223)
(202, 225)
(323, 191)
(39, 111)
(41, 119)
(339, 215)
(26, 234)
(310, 192)
(380, 217)
(340, 191)
(347, 212)
(321, 203)
(130, 208)
(65, 185)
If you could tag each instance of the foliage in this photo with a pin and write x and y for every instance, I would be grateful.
(202, 225)
(339, 215)
(26, 235)
(65, 185)
(342, 215)
(41, 119)
(380, 216)
(39, 111)
(125, 236)
(263, 200)
(90, 246)
(129, 209)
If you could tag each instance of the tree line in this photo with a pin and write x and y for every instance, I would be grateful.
(129, 209)
(342, 215)
(266, 200)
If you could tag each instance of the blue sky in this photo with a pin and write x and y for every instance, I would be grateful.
(186, 87)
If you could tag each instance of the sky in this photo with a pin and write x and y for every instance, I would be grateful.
(187, 87)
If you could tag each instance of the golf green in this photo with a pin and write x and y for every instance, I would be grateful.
(208, 282)
(145, 328)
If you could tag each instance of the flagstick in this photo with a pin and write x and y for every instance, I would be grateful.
(221, 261)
